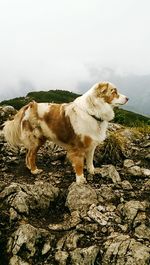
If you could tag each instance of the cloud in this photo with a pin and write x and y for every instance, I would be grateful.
(20, 90)
(136, 87)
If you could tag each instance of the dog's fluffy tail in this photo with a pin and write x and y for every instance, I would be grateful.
(12, 131)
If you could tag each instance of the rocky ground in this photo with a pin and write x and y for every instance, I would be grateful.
(48, 219)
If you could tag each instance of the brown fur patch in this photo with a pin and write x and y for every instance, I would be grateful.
(27, 126)
(60, 124)
(76, 157)
(87, 141)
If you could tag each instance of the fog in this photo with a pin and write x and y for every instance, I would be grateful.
(72, 44)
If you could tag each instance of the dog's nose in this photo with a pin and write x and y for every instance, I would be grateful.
(127, 99)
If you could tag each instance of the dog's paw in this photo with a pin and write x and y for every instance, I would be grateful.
(36, 171)
(91, 170)
(81, 180)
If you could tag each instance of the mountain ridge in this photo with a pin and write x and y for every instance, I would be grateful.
(122, 116)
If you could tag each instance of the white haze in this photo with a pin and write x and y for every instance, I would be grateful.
(47, 44)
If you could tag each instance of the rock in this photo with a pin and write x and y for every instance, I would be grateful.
(106, 193)
(66, 244)
(109, 171)
(80, 197)
(146, 185)
(23, 198)
(9, 109)
(106, 222)
(145, 172)
(120, 249)
(113, 127)
(128, 163)
(70, 222)
(87, 228)
(147, 144)
(2, 185)
(84, 256)
(72, 240)
(15, 260)
(13, 214)
(19, 202)
(140, 254)
(126, 185)
(142, 232)
(147, 157)
(139, 219)
(138, 171)
(46, 248)
(61, 257)
(100, 214)
(134, 171)
(6, 112)
(26, 240)
(131, 208)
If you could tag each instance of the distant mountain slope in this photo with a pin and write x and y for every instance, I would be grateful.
(122, 116)
(57, 96)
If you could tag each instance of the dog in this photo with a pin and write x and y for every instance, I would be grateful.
(78, 126)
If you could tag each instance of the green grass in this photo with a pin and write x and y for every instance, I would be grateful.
(131, 119)
(57, 96)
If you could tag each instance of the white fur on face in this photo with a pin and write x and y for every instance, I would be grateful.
(121, 100)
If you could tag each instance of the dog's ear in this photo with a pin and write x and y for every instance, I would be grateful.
(103, 87)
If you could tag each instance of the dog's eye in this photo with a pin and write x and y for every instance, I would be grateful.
(114, 91)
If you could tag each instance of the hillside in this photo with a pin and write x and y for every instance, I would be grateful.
(57, 96)
(123, 117)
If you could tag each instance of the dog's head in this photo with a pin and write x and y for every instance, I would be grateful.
(109, 93)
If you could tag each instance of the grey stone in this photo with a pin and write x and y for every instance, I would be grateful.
(16, 260)
(80, 197)
(109, 171)
(147, 157)
(72, 240)
(128, 163)
(131, 208)
(146, 185)
(100, 214)
(84, 256)
(70, 222)
(106, 193)
(126, 185)
(28, 236)
(87, 228)
(24, 198)
(120, 249)
(61, 257)
(142, 232)
(139, 219)
(138, 171)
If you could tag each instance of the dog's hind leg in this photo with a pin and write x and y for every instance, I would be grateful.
(27, 159)
(31, 161)
(31, 155)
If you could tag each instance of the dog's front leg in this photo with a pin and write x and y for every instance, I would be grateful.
(77, 160)
(89, 160)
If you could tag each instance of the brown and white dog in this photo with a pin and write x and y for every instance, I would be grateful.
(78, 126)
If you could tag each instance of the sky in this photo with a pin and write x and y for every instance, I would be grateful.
(72, 44)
